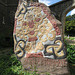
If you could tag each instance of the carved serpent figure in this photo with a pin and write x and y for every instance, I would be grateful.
(36, 31)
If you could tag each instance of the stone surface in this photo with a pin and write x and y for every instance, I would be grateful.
(37, 31)
(38, 40)
(45, 65)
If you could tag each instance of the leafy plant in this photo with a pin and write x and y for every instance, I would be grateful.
(70, 25)
(70, 53)
(9, 65)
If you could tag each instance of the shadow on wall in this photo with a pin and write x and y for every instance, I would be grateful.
(6, 32)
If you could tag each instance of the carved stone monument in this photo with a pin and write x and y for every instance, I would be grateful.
(38, 40)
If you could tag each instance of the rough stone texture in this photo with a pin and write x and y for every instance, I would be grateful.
(58, 8)
(45, 65)
(37, 30)
(37, 37)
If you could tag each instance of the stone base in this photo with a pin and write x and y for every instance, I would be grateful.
(45, 65)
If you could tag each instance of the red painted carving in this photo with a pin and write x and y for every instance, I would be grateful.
(24, 24)
(31, 24)
(32, 39)
(31, 32)
(49, 16)
(37, 19)
(15, 25)
(30, 55)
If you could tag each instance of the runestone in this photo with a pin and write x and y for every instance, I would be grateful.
(37, 32)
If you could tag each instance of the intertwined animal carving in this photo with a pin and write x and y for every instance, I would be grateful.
(37, 32)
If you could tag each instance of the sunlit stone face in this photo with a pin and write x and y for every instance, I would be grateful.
(36, 33)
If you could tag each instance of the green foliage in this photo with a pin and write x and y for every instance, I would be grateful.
(71, 57)
(71, 38)
(70, 53)
(9, 65)
(70, 24)
(69, 18)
